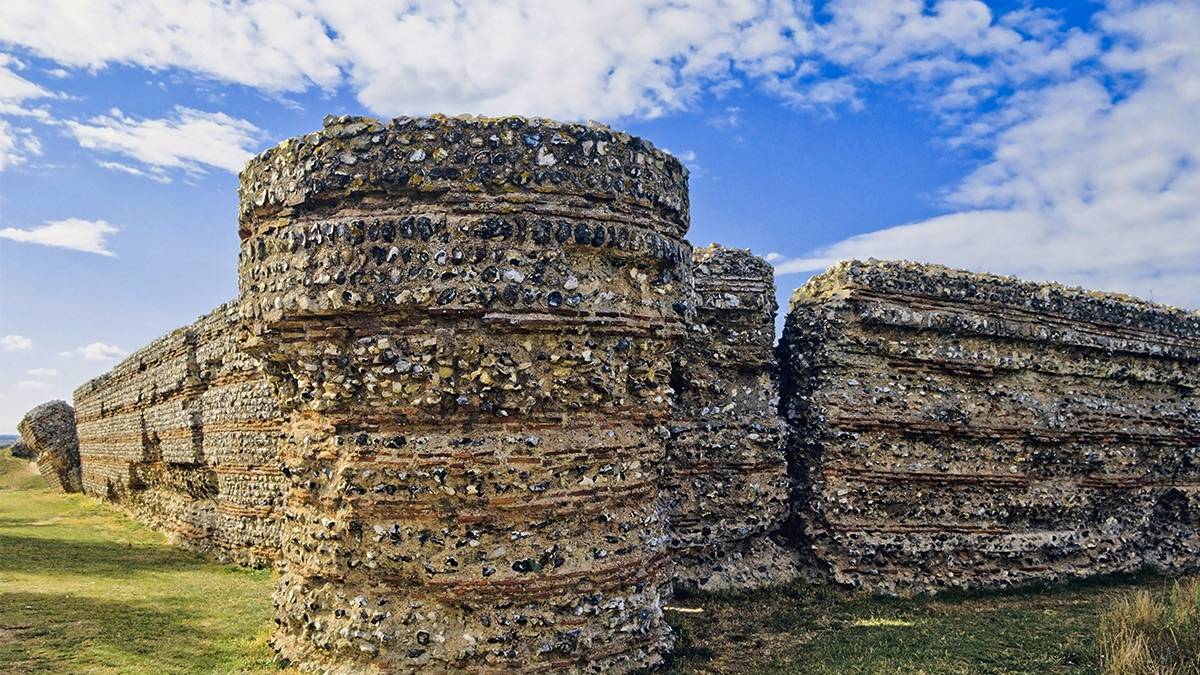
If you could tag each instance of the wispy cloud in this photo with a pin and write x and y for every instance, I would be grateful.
(97, 351)
(32, 384)
(18, 143)
(89, 236)
(15, 343)
(42, 372)
(189, 140)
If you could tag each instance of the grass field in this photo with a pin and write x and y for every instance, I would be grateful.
(84, 589)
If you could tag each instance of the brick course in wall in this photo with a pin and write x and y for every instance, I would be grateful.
(952, 429)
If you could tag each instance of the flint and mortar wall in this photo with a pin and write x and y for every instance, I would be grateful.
(954, 429)
(470, 325)
(725, 479)
(184, 434)
(479, 400)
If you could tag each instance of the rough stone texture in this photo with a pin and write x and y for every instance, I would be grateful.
(184, 434)
(726, 477)
(21, 450)
(470, 324)
(955, 429)
(49, 430)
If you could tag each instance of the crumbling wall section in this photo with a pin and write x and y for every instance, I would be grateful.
(470, 324)
(49, 432)
(184, 434)
(725, 478)
(953, 429)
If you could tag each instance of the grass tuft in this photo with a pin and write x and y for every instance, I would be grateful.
(1153, 634)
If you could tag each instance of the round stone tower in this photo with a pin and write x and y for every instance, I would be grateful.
(470, 324)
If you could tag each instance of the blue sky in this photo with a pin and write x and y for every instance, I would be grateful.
(1055, 141)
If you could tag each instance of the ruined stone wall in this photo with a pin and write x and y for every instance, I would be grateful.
(726, 476)
(48, 432)
(184, 434)
(470, 325)
(954, 429)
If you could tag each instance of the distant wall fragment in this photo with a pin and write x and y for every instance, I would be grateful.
(725, 479)
(953, 429)
(49, 431)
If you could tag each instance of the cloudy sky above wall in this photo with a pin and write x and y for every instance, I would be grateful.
(1054, 141)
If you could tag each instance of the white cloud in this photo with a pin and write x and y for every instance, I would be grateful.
(15, 89)
(42, 372)
(97, 351)
(189, 140)
(15, 343)
(561, 58)
(32, 384)
(1087, 183)
(77, 234)
(154, 174)
(17, 144)
(269, 45)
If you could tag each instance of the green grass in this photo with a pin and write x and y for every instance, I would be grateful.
(85, 589)
(800, 628)
(18, 474)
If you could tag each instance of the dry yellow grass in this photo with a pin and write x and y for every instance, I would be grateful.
(1145, 634)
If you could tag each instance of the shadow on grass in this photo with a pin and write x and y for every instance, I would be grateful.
(112, 559)
(116, 635)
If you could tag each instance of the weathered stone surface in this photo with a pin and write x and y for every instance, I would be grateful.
(184, 434)
(726, 474)
(469, 323)
(49, 430)
(954, 429)
(21, 450)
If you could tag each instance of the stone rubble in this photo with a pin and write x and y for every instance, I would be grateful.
(953, 429)
(49, 431)
(184, 434)
(469, 323)
(726, 473)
